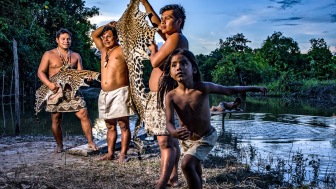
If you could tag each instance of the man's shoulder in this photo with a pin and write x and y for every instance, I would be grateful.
(75, 54)
(50, 52)
(177, 36)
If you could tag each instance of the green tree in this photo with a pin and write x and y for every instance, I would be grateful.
(237, 59)
(282, 53)
(34, 23)
(321, 59)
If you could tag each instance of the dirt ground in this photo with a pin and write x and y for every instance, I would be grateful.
(29, 162)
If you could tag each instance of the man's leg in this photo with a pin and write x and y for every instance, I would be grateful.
(111, 138)
(87, 127)
(125, 138)
(56, 119)
(168, 157)
(192, 170)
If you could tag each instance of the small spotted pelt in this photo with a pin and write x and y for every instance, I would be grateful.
(135, 34)
(72, 77)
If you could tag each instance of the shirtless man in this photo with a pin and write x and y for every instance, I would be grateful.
(114, 102)
(52, 61)
(170, 25)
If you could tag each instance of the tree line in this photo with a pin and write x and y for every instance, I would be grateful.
(34, 23)
(278, 61)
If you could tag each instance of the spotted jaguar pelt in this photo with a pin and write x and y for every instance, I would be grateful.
(135, 34)
(72, 77)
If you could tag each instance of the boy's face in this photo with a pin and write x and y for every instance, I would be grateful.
(109, 40)
(236, 103)
(64, 41)
(169, 24)
(181, 69)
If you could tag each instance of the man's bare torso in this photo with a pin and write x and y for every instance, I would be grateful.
(115, 74)
(55, 62)
(192, 109)
(157, 72)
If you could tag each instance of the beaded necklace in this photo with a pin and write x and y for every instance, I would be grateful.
(108, 55)
(66, 62)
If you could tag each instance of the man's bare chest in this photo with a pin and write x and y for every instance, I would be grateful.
(57, 62)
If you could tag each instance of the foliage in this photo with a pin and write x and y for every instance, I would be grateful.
(33, 24)
(277, 64)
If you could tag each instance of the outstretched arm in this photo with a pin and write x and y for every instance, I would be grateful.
(44, 65)
(154, 18)
(228, 91)
(180, 133)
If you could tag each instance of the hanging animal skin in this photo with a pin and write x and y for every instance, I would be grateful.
(135, 34)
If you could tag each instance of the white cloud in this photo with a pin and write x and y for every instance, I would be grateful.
(242, 21)
(104, 19)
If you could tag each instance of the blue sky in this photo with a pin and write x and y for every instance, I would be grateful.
(210, 20)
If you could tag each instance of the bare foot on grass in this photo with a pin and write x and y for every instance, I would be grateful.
(171, 182)
(122, 159)
(93, 146)
(106, 157)
(59, 149)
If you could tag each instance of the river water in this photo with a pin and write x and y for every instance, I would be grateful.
(275, 128)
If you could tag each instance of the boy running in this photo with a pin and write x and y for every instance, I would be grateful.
(190, 100)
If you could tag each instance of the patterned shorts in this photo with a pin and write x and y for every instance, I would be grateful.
(66, 104)
(155, 118)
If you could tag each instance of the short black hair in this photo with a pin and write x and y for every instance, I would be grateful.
(113, 30)
(238, 100)
(178, 12)
(61, 31)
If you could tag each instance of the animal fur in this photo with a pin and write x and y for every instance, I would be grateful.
(72, 77)
(134, 35)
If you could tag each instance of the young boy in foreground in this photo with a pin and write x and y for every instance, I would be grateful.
(170, 25)
(191, 102)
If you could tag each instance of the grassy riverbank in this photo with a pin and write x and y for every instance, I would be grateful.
(311, 88)
(29, 163)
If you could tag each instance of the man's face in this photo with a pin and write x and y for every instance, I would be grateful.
(109, 40)
(181, 68)
(64, 41)
(169, 24)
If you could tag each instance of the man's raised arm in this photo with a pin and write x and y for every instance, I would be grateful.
(154, 18)
(97, 39)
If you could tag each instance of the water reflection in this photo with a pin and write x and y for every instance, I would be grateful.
(276, 128)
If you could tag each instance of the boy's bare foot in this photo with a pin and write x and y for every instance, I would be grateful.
(106, 157)
(122, 159)
(59, 149)
(93, 146)
(173, 183)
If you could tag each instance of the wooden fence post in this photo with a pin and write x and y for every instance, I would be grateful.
(17, 89)
(3, 84)
(11, 86)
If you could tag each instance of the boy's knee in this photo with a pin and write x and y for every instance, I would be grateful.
(187, 166)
